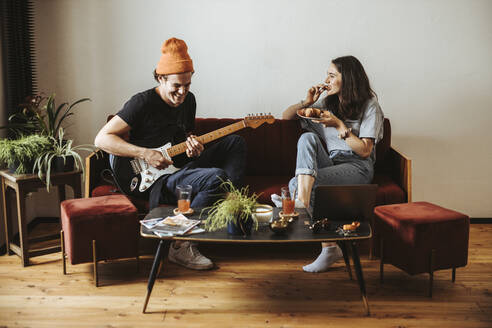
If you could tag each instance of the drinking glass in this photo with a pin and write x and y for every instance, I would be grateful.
(184, 197)
(288, 201)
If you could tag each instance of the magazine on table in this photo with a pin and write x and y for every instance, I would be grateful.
(172, 225)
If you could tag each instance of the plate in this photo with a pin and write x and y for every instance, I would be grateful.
(291, 215)
(176, 211)
(307, 118)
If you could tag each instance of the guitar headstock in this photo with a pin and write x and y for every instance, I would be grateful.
(255, 120)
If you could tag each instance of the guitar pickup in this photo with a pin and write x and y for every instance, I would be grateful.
(135, 166)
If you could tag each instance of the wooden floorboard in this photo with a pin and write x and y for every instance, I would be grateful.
(252, 286)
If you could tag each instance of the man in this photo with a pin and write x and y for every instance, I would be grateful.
(165, 114)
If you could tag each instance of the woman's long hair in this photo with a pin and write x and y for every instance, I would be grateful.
(355, 89)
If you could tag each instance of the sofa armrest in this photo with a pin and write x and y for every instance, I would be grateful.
(401, 170)
(95, 163)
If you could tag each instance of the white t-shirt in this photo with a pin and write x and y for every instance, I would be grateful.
(369, 125)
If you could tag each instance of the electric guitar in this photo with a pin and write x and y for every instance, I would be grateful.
(134, 175)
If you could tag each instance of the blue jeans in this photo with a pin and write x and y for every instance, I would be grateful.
(224, 160)
(339, 167)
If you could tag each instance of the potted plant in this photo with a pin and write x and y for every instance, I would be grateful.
(61, 156)
(39, 114)
(235, 211)
(20, 154)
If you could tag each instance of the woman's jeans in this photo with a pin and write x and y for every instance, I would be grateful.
(224, 160)
(339, 167)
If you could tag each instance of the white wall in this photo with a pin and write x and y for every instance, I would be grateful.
(429, 62)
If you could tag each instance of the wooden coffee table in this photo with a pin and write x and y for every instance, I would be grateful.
(299, 232)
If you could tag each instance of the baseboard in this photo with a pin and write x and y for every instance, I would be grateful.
(480, 220)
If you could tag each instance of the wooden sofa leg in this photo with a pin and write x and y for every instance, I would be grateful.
(431, 270)
(94, 259)
(381, 260)
(62, 241)
(453, 274)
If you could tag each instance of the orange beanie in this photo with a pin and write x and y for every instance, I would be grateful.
(174, 58)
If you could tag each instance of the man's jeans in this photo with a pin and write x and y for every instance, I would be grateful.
(224, 160)
(339, 167)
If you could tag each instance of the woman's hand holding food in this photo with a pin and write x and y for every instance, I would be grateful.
(314, 93)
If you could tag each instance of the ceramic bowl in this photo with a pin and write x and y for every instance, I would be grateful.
(263, 214)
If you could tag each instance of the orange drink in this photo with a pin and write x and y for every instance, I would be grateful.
(288, 202)
(288, 205)
(184, 197)
(183, 205)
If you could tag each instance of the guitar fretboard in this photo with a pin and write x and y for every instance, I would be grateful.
(208, 137)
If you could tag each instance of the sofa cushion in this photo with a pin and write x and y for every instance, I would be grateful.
(108, 190)
(266, 185)
(272, 148)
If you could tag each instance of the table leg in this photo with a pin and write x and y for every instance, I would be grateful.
(346, 258)
(6, 212)
(153, 273)
(21, 217)
(360, 277)
(61, 193)
(76, 186)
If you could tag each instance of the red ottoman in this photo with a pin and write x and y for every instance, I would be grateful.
(422, 237)
(98, 228)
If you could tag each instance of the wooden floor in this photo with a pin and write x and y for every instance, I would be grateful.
(251, 287)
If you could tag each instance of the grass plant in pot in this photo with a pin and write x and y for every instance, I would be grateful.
(235, 211)
(61, 156)
(39, 115)
(20, 154)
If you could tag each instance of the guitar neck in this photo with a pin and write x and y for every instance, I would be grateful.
(208, 137)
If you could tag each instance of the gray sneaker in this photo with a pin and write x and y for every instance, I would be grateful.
(188, 256)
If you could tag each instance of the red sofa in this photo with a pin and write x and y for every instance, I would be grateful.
(271, 162)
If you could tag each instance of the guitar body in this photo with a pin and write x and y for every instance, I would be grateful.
(135, 176)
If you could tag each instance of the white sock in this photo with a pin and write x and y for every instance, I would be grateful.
(326, 258)
(299, 204)
(277, 200)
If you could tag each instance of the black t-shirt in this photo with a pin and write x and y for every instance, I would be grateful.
(154, 123)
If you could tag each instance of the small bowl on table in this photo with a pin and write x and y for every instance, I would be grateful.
(279, 226)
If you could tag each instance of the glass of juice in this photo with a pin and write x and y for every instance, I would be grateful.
(288, 202)
(184, 197)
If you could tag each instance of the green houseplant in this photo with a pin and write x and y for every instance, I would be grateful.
(235, 211)
(60, 150)
(21, 153)
(40, 115)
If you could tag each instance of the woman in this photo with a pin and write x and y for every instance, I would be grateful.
(350, 124)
